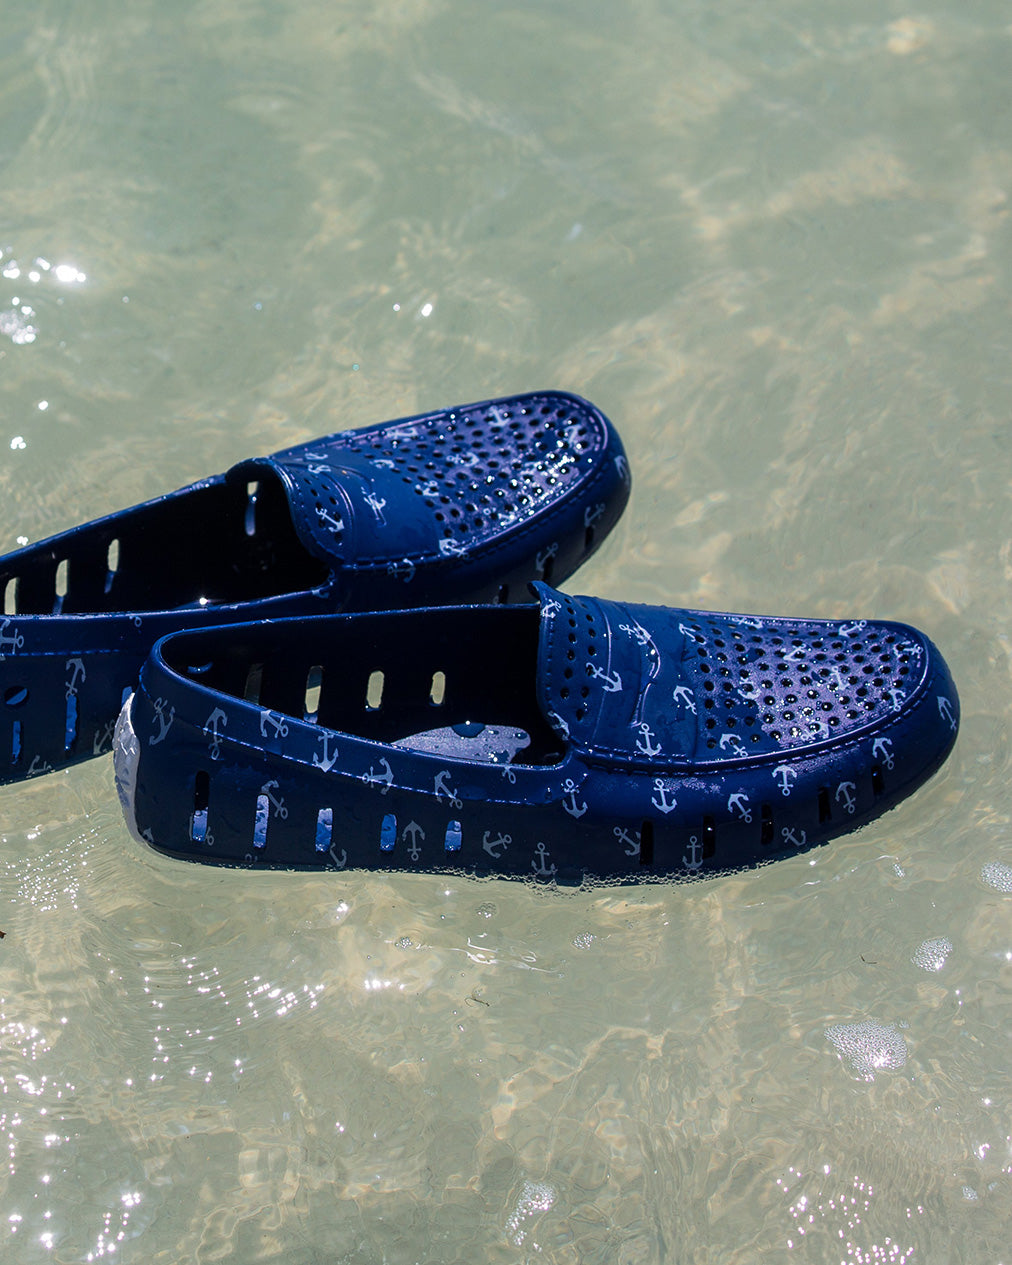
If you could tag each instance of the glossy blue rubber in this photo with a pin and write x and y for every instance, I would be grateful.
(569, 738)
(462, 505)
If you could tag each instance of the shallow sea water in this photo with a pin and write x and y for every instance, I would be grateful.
(773, 243)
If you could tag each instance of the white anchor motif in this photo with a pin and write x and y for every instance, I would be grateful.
(611, 680)
(632, 844)
(659, 799)
(278, 803)
(574, 808)
(339, 862)
(845, 796)
(881, 749)
(559, 723)
(794, 655)
(317, 469)
(746, 621)
(10, 643)
(163, 724)
(376, 504)
(415, 834)
(695, 851)
(638, 633)
(490, 845)
(544, 555)
(682, 695)
(103, 738)
(550, 609)
(333, 523)
(403, 570)
(785, 775)
(276, 723)
(399, 433)
(442, 787)
(78, 674)
(895, 698)
(386, 777)
(947, 711)
(592, 513)
(383, 463)
(622, 467)
(216, 718)
(430, 489)
(452, 548)
(851, 630)
(37, 766)
(731, 741)
(789, 836)
(644, 742)
(738, 803)
(538, 865)
(326, 760)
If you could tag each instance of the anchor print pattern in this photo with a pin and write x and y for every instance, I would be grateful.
(574, 806)
(272, 726)
(415, 837)
(630, 839)
(538, 865)
(403, 570)
(384, 779)
(164, 722)
(217, 721)
(443, 789)
(497, 846)
(663, 797)
(275, 802)
(325, 759)
(10, 642)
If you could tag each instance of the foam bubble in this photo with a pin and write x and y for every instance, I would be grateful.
(869, 1047)
(998, 876)
(932, 954)
(534, 1197)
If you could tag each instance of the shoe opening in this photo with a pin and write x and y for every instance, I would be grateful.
(459, 682)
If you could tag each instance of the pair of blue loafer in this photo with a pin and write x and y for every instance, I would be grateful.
(330, 658)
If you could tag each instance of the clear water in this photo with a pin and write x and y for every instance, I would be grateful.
(773, 242)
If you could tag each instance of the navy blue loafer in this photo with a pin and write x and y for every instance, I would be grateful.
(563, 739)
(464, 505)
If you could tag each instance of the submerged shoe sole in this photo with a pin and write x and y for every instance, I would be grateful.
(462, 505)
(569, 739)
